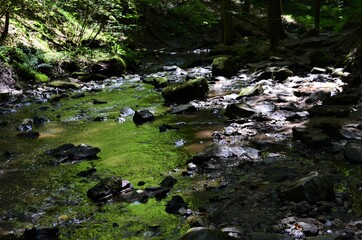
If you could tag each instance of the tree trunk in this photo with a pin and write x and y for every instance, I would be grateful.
(276, 29)
(317, 14)
(6, 27)
(228, 26)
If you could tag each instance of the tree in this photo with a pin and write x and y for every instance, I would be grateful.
(276, 28)
(227, 20)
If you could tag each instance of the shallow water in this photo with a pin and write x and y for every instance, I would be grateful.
(34, 192)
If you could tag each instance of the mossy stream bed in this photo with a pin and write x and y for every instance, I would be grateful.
(35, 192)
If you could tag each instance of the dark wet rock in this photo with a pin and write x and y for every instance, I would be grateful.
(183, 108)
(187, 91)
(301, 207)
(312, 137)
(127, 111)
(342, 99)
(353, 152)
(107, 189)
(202, 233)
(166, 127)
(224, 66)
(143, 116)
(158, 193)
(320, 58)
(87, 173)
(312, 188)
(157, 82)
(41, 233)
(282, 74)
(111, 67)
(77, 95)
(92, 77)
(100, 119)
(330, 110)
(69, 152)
(26, 125)
(57, 97)
(64, 85)
(38, 121)
(99, 101)
(31, 135)
(175, 205)
(238, 111)
(168, 182)
(269, 236)
(224, 151)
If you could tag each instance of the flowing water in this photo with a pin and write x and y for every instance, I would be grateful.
(36, 193)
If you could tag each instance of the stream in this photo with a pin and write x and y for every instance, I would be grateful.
(37, 190)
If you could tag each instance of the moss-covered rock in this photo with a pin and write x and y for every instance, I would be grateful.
(63, 85)
(185, 92)
(224, 66)
(115, 66)
(158, 82)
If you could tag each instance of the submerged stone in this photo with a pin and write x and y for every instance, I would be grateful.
(175, 205)
(41, 233)
(106, 189)
(64, 85)
(238, 111)
(69, 152)
(312, 188)
(187, 91)
(143, 116)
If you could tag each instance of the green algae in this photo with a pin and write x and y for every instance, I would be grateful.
(56, 196)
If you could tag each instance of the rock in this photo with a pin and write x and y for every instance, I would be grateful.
(353, 151)
(31, 135)
(187, 91)
(224, 151)
(342, 99)
(282, 74)
(143, 116)
(127, 111)
(317, 70)
(330, 110)
(175, 205)
(250, 90)
(106, 189)
(224, 66)
(38, 121)
(26, 125)
(184, 108)
(157, 82)
(41, 233)
(87, 173)
(157, 192)
(312, 137)
(111, 67)
(202, 233)
(234, 111)
(69, 152)
(166, 127)
(312, 188)
(77, 95)
(99, 101)
(301, 207)
(64, 85)
(168, 182)
(309, 229)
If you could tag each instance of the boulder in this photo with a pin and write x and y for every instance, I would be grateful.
(92, 77)
(353, 151)
(203, 233)
(224, 66)
(187, 91)
(111, 67)
(238, 111)
(106, 189)
(330, 110)
(175, 205)
(64, 85)
(313, 188)
(143, 116)
(311, 136)
(69, 152)
(282, 74)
